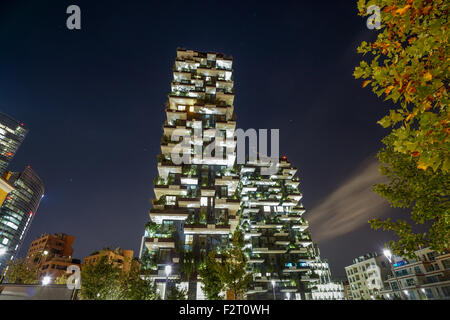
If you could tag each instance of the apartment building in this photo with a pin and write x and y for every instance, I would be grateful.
(366, 276)
(426, 277)
(124, 259)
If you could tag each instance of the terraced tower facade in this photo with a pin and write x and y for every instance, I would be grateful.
(195, 206)
(279, 247)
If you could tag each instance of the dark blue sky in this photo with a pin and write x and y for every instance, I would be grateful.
(94, 99)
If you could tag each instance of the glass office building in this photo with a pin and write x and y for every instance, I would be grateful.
(12, 133)
(17, 212)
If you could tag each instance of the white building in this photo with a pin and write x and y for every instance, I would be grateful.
(422, 278)
(366, 276)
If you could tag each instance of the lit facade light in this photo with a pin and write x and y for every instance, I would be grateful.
(388, 254)
(168, 270)
(46, 280)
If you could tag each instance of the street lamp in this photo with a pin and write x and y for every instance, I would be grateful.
(46, 280)
(168, 271)
(273, 288)
(388, 254)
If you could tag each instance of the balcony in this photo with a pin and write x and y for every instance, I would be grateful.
(171, 190)
(189, 202)
(206, 229)
(269, 250)
(153, 243)
(168, 213)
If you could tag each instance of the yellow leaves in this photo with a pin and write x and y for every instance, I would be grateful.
(388, 89)
(384, 45)
(403, 10)
(365, 83)
(411, 40)
(421, 166)
(426, 10)
(427, 76)
(409, 117)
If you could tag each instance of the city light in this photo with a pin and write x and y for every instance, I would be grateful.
(46, 280)
(388, 254)
(168, 270)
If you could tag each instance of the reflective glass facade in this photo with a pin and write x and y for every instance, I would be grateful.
(12, 133)
(18, 211)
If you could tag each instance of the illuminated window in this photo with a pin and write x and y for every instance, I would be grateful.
(204, 201)
(171, 200)
(181, 108)
(191, 109)
(188, 239)
(266, 208)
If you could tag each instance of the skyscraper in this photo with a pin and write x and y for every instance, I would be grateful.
(202, 196)
(18, 211)
(195, 206)
(285, 263)
(12, 133)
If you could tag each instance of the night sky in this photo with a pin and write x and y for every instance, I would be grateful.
(94, 99)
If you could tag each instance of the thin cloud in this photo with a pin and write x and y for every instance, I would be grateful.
(350, 206)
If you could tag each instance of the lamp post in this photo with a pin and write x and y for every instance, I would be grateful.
(273, 288)
(168, 271)
(387, 253)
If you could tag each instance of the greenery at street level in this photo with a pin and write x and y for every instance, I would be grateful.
(408, 63)
(106, 281)
(21, 272)
(226, 272)
(175, 293)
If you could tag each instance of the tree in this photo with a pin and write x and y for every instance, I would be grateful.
(227, 271)
(100, 281)
(62, 279)
(176, 293)
(187, 265)
(134, 287)
(21, 272)
(425, 192)
(409, 65)
(106, 281)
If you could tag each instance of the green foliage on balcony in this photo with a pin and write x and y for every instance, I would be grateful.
(190, 170)
(155, 230)
(165, 140)
(159, 181)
